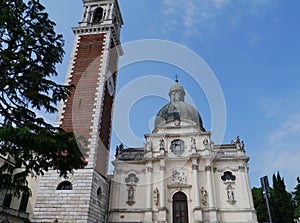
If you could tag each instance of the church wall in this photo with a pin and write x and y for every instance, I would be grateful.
(123, 210)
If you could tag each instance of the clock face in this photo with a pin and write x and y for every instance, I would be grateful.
(110, 84)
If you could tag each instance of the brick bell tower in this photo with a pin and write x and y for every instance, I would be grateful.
(83, 197)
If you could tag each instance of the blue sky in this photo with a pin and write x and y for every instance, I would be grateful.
(253, 48)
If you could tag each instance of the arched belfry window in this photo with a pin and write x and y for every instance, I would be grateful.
(65, 185)
(97, 15)
(177, 146)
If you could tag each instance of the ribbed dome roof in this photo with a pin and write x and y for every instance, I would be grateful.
(177, 109)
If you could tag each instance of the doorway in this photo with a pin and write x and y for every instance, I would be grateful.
(180, 209)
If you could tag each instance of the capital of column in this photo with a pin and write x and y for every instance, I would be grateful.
(162, 164)
(149, 167)
(195, 166)
(208, 168)
(194, 163)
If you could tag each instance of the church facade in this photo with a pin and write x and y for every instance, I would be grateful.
(180, 175)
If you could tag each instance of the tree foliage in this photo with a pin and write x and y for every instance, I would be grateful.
(260, 205)
(282, 207)
(296, 198)
(29, 51)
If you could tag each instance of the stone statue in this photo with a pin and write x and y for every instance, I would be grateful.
(230, 194)
(238, 143)
(121, 147)
(156, 196)
(193, 146)
(148, 146)
(203, 196)
(162, 143)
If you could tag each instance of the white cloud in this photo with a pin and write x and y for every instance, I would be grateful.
(288, 129)
(280, 150)
(193, 15)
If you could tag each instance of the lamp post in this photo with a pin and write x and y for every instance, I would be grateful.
(266, 193)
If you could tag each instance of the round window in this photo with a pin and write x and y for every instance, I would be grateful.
(177, 147)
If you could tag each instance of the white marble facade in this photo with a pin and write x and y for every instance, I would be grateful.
(180, 175)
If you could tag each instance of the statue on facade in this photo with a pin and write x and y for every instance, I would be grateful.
(193, 145)
(162, 146)
(121, 147)
(203, 196)
(148, 146)
(156, 196)
(230, 195)
(238, 143)
(117, 152)
(162, 143)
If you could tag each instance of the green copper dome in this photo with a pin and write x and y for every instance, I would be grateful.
(177, 109)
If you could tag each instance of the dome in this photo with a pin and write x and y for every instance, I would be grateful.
(177, 109)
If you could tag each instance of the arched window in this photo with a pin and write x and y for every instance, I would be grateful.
(24, 202)
(131, 179)
(65, 185)
(177, 147)
(99, 193)
(97, 15)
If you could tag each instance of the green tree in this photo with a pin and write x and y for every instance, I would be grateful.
(296, 198)
(282, 207)
(29, 51)
(260, 205)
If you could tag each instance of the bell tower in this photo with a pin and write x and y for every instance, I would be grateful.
(83, 197)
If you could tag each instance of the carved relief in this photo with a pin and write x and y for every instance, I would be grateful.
(179, 177)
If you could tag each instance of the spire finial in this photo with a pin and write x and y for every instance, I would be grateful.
(176, 78)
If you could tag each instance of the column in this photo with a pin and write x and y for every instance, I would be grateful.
(197, 210)
(149, 186)
(162, 209)
(211, 195)
(148, 191)
(196, 183)
(162, 183)
(88, 15)
(209, 187)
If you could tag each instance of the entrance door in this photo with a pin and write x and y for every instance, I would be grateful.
(180, 210)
